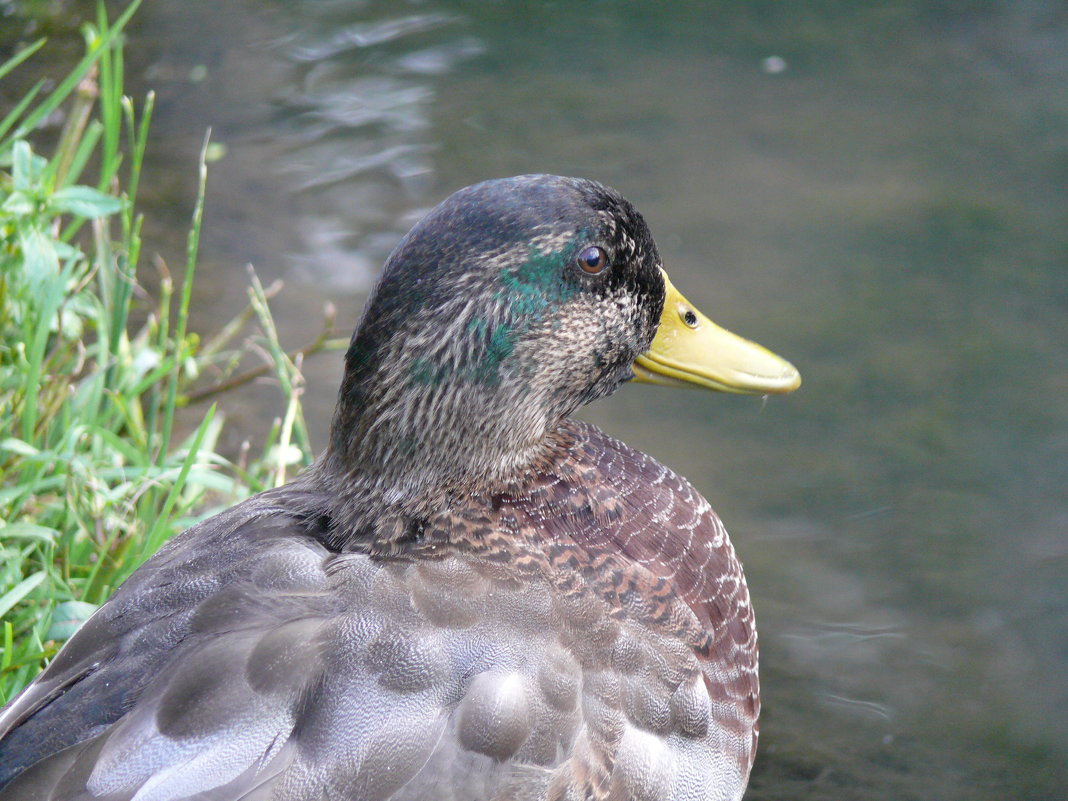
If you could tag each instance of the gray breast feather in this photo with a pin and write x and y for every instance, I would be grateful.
(290, 672)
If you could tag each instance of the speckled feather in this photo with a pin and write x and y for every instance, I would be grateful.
(467, 598)
(585, 634)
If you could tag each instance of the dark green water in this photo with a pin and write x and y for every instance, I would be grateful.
(889, 210)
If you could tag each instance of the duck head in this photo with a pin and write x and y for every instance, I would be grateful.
(508, 306)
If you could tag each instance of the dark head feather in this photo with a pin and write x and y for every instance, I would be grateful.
(483, 333)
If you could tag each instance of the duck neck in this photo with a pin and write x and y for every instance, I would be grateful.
(404, 445)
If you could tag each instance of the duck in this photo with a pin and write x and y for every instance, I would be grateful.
(469, 595)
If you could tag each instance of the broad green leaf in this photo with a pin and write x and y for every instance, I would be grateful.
(67, 618)
(26, 168)
(40, 263)
(18, 203)
(67, 252)
(28, 531)
(84, 201)
(21, 156)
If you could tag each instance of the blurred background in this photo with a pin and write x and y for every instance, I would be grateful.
(877, 191)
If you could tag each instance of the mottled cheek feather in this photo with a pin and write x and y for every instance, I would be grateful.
(527, 291)
(535, 283)
(501, 343)
(424, 372)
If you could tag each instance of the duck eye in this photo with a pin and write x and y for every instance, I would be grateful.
(593, 260)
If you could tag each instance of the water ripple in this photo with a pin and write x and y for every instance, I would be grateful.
(357, 115)
(867, 708)
(362, 35)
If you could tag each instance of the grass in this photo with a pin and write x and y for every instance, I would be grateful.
(93, 371)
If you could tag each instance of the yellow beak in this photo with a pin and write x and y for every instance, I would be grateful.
(689, 349)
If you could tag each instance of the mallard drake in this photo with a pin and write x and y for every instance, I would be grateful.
(468, 595)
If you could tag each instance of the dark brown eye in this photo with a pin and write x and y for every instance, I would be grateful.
(593, 260)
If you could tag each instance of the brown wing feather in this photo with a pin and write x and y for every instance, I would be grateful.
(651, 544)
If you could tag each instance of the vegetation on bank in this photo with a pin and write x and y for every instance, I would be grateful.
(93, 369)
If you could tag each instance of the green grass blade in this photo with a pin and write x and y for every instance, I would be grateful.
(98, 46)
(12, 116)
(35, 354)
(110, 103)
(285, 371)
(139, 138)
(155, 536)
(9, 645)
(20, 591)
(21, 56)
(81, 156)
(192, 248)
